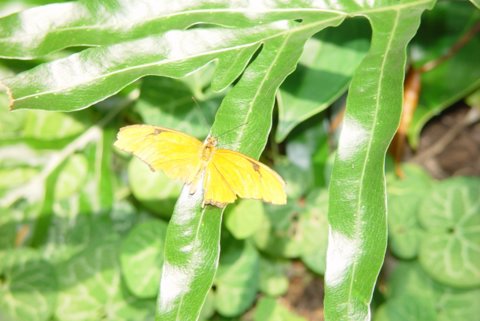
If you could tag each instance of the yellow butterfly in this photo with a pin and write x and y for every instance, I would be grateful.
(225, 173)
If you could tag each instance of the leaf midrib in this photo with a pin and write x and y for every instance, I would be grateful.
(242, 131)
(259, 12)
(368, 151)
(167, 61)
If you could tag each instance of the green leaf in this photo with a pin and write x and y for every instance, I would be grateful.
(91, 288)
(280, 235)
(72, 178)
(314, 227)
(208, 309)
(404, 198)
(77, 23)
(70, 235)
(408, 278)
(323, 74)
(111, 68)
(244, 218)
(141, 257)
(454, 304)
(449, 250)
(413, 295)
(357, 211)
(476, 3)
(15, 176)
(97, 197)
(304, 142)
(28, 286)
(52, 126)
(168, 103)
(12, 123)
(298, 180)
(273, 276)
(154, 190)
(405, 308)
(8, 228)
(39, 192)
(192, 247)
(454, 78)
(193, 235)
(269, 309)
(474, 99)
(410, 295)
(236, 282)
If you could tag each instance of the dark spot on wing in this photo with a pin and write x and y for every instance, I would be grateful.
(157, 131)
(256, 167)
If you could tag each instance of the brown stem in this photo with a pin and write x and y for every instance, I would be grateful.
(453, 50)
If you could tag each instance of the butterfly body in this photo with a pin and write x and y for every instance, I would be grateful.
(226, 174)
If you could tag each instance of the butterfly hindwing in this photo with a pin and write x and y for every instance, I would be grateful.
(240, 175)
(173, 152)
(217, 190)
(226, 174)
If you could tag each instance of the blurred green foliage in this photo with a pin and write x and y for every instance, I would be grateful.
(83, 226)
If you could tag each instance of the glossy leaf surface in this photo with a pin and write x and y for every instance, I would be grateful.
(357, 213)
(247, 108)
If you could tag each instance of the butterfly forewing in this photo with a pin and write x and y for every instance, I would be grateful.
(242, 176)
(173, 152)
(226, 174)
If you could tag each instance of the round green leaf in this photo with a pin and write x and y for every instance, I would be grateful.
(413, 295)
(280, 234)
(27, 286)
(236, 281)
(409, 278)
(154, 190)
(269, 309)
(455, 304)
(141, 257)
(405, 308)
(90, 282)
(244, 218)
(314, 227)
(409, 295)
(297, 180)
(404, 198)
(273, 277)
(450, 250)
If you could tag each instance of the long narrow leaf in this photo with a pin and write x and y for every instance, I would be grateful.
(357, 211)
(192, 246)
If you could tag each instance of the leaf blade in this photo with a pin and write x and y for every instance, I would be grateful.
(357, 220)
